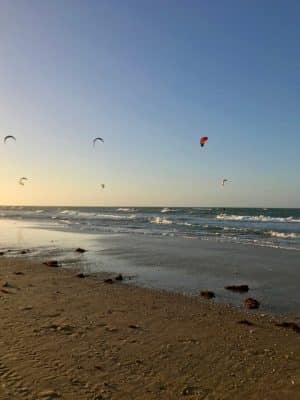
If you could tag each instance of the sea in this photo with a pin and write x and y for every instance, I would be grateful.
(180, 249)
(267, 227)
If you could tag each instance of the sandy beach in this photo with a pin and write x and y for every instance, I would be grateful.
(150, 200)
(70, 338)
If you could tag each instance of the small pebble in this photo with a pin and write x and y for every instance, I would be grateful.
(52, 263)
(207, 294)
(251, 303)
(80, 250)
(132, 326)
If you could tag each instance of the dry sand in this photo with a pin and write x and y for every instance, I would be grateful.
(70, 338)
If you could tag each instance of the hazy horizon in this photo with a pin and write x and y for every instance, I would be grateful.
(137, 206)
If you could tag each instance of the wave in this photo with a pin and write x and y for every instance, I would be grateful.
(257, 218)
(282, 235)
(69, 212)
(92, 215)
(166, 210)
(268, 228)
(185, 223)
(116, 217)
(161, 221)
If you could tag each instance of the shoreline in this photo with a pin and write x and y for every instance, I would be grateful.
(66, 337)
(174, 264)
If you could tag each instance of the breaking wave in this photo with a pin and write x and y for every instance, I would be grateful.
(282, 235)
(161, 221)
(167, 210)
(255, 218)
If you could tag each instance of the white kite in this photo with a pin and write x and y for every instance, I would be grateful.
(224, 181)
(22, 180)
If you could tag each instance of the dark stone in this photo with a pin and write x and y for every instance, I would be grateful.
(245, 322)
(52, 263)
(193, 391)
(109, 280)
(251, 303)
(132, 326)
(290, 325)
(80, 275)
(2, 253)
(25, 251)
(119, 277)
(18, 273)
(238, 288)
(80, 250)
(207, 294)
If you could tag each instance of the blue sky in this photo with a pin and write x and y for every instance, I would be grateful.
(150, 77)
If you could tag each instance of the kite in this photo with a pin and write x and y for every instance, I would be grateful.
(97, 139)
(9, 137)
(223, 181)
(203, 140)
(21, 180)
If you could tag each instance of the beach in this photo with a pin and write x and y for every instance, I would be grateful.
(149, 335)
(150, 200)
(71, 338)
(174, 263)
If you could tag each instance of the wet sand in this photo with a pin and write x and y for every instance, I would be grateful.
(175, 264)
(70, 338)
(187, 265)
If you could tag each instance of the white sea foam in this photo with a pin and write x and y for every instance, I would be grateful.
(124, 209)
(282, 235)
(183, 223)
(116, 217)
(92, 215)
(161, 221)
(166, 210)
(68, 212)
(257, 218)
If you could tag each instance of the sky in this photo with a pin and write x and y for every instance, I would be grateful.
(151, 78)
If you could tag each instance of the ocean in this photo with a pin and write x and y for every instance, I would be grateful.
(179, 249)
(267, 227)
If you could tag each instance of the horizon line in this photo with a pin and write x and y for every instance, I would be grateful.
(134, 206)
